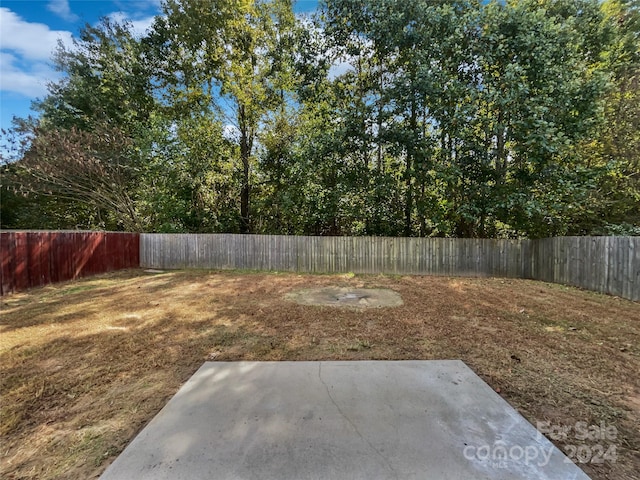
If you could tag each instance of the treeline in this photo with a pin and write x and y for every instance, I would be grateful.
(378, 117)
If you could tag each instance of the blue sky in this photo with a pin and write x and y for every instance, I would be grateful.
(29, 32)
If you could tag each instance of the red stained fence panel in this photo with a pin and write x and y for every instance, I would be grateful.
(30, 259)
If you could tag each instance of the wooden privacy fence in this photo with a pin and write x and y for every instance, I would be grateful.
(604, 264)
(30, 259)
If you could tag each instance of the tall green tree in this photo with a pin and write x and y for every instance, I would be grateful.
(477, 104)
(106, 79)
(224, 58)
(85, 152)
(444, 118)
(538, 95)
(614, 149)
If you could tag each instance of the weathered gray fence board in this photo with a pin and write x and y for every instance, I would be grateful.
(604, 264)
(635, 272)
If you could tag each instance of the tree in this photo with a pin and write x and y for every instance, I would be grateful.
(478, 104)
(538, 94)
(224, 57)
(614, 149)
(85, 151)
(106, 80)
(190, 183)
(434, 118)
(92, 168)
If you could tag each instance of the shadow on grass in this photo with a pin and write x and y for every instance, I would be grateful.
(84, 370)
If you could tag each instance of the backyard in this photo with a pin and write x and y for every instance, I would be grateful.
(86, 364)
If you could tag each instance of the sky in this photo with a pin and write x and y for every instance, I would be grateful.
(31, 29)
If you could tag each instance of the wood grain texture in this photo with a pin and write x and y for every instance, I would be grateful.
(31, 259)
(603, 264)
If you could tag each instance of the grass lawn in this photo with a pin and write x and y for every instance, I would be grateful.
(85, 365)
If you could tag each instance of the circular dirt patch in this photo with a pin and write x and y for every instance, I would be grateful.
(346, 297)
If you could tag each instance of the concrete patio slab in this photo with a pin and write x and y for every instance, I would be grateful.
(339, 420)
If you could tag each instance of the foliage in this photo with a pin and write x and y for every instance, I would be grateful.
(229, 59)
(614, 149)
(431, 118)
(93, 168)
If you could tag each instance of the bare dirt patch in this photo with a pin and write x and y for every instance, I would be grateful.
(346, 297)
(84, 365)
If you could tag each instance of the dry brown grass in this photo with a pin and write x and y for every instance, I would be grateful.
(84, 365)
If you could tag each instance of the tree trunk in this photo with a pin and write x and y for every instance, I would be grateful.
(408, 209)
(501, 154)
(245, 154)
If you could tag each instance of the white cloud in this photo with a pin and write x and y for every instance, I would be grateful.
(33, 41)
(61, 8)
(231, 133)
(26, 49)
(339, 64)
(338, 68)
(31, 82)
(139, 27)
